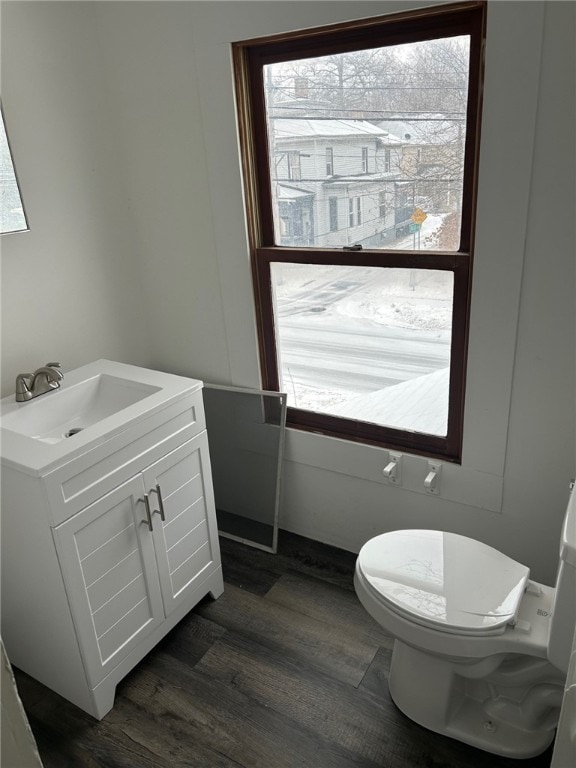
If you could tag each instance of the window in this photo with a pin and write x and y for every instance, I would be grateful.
(333, 213)
(366, 328)
(294, 172)
(329, 161)
(386, 160)
(382, 205)
(354, 211)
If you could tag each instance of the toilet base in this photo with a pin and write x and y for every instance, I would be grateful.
(507, 704)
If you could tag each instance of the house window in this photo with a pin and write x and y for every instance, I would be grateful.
(354, 211)
(333, 213)
(329, 161)
(377, 352)
(294, 171)
(382, 205)
(386, 160)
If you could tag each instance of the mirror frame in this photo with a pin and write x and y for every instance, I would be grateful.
(9, 182)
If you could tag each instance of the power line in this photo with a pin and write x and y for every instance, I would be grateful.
(349, 180)
(450, 116)
(420, 82)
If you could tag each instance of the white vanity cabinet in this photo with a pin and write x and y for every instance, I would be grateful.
(105, 553)
(126, 569)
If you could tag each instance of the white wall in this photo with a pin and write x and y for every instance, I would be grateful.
(70, 287)
(147, 54)
(162, 75)
(334, 490)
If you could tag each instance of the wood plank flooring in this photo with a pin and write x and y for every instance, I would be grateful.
(285, 670)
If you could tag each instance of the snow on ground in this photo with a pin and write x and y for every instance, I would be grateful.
(317, 399)
(406, 298)
(420, 405)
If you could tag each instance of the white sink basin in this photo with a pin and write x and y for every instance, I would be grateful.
(93, 404)
(66, 412)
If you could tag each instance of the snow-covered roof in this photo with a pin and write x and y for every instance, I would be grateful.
(418, 405)
(288, 128)
(291, 193)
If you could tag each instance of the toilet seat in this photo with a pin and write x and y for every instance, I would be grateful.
(444, 581)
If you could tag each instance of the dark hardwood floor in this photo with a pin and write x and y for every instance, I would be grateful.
(285, 670)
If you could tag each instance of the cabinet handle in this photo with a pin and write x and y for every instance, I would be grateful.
(148, 520)
(160, 511)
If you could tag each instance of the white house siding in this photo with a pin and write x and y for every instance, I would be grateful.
(348, 156)
(347, 181)
(371, 223)
(322, 208)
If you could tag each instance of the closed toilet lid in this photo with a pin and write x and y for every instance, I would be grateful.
(444, 580)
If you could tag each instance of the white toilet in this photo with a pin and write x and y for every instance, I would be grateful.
(480, 651)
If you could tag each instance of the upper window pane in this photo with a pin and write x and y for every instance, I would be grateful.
(367, 147)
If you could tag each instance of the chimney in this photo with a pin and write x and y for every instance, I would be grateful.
(301, 90)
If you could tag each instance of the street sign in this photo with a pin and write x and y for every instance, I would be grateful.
(413, 228)
(419, 217)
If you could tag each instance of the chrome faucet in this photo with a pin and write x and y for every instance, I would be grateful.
(45, 379)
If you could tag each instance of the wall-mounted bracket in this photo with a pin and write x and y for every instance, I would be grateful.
(393, 470)
(432, 480)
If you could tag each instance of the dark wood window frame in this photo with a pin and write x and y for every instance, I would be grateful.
(250, 57)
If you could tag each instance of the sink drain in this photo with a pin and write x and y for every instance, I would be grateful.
(73, 431)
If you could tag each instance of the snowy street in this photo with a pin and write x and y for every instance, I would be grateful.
(356, 358)
(350, 331)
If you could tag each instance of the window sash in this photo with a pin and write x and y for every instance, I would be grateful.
(446, 447)
(250, 57)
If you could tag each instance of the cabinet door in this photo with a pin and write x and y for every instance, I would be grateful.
(186, 541)
(107, 558)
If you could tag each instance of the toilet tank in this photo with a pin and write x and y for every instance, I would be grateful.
(564, 609)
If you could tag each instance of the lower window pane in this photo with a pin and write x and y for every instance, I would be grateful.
(370, 344)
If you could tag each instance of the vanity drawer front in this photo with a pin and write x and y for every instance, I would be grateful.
(85, 479)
